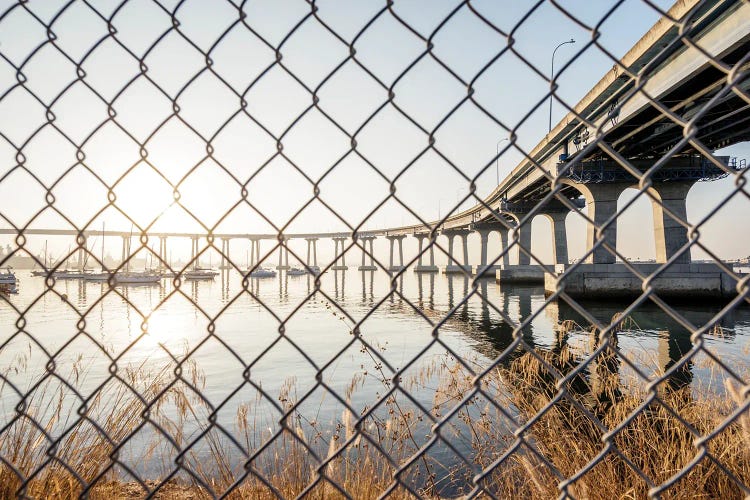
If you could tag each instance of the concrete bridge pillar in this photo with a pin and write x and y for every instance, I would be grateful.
(504, 245)
(421, 267)
(283, 253)
(371, 266)
(125, 248)
(224, 253)
(524, 240)
(162, 252)
(400, 239)
(670, 235)
(194, 251)
(485, 269)
(312, 244)
(82, 254)
(484, 236)
(254, 252)
(339, 263)
(559, 236)
(602, 205)
(452, 267)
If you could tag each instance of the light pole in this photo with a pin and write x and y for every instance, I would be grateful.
(552, 77)
(497, 160)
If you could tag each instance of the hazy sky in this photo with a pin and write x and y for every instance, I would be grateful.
(166, 145)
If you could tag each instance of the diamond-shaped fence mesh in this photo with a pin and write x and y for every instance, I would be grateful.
(535, 314)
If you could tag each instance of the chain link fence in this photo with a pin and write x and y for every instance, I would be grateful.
(578, 415)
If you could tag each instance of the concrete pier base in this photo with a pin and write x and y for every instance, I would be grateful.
(520, 274)
(426, 269)
(486, 271)
(282, 268)
(395, 269)
(454, 269)
(339, 268)
(368, 268)
(615, 281)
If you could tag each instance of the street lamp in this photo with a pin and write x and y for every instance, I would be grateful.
(497, 160)
(552, 77)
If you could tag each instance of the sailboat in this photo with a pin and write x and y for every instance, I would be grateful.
(136, 277)
(103, 275)
(200, 273)
(67, 274)
(42, 272)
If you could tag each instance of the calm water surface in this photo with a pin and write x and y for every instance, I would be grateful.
(280, 337)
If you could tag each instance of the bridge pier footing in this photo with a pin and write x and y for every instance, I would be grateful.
(456, 269)
(520, 274)
(485, 271)
(696, 281)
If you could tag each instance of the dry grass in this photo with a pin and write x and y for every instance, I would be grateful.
(362, 454)
(653, 439)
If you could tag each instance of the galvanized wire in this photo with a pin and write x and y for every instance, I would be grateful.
(591, 140)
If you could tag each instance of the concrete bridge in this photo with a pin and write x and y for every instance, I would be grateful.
(615, 138)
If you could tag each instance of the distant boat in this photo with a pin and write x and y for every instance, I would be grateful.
(42, 272)
(296, 271)
(200, 274)
(67, 274)
(137, 278)
(262, 273)
(102, 276)
(314, 269)
(8, 277)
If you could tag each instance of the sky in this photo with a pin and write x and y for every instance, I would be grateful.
(160, 127)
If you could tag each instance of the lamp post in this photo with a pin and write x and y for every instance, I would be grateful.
(552, 77)
(497, 161)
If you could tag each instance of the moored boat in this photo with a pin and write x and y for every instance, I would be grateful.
(101, 276)
(67, 274)
(296, 271)
(200, 274)
(8, 277)
(262, 273)
(137, 278)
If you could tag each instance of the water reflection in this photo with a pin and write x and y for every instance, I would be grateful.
(498, 322)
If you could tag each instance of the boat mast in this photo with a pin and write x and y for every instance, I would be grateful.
(103, 266)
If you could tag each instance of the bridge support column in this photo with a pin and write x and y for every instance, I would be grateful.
(392, 239)
(312, 244)
(524, 241)
(125, 249)
(225, 253)
(559, 236)
(283, 254)
(669, 235)
(421, 267)
(504, 245)
(602, 205)
(254, 253)
(194, 251)
(371, 266)
(524, 271)
(339, 241)
(82, 255)
(483, 269)
(163, 252)
(452, 267)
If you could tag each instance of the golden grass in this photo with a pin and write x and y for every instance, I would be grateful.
(565, 437)
(653, 439)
